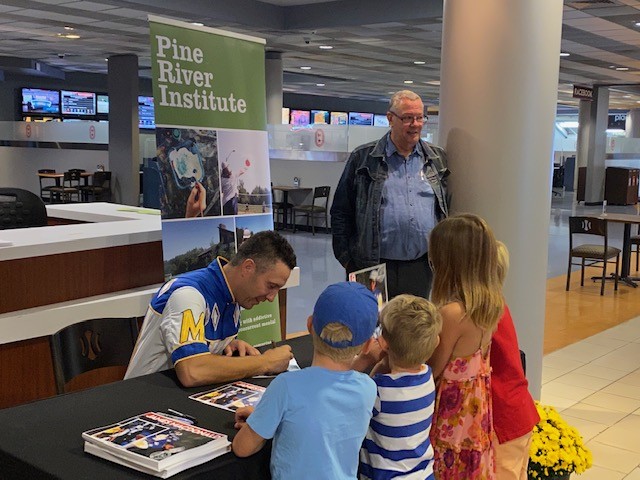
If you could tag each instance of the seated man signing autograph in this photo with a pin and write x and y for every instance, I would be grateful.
(192, 321)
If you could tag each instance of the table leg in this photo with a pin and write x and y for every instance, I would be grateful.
(285, 208)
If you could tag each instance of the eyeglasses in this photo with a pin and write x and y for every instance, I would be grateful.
(409, 119)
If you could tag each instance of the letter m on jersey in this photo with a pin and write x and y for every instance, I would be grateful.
(191, 331)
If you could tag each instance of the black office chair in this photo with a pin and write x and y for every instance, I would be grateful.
(100, 188)
(70, 186)
(318, 207)
(21, 209)
(90, 345)
(45, 189)
(593, 253)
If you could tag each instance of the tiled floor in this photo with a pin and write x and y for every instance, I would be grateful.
(594, 382)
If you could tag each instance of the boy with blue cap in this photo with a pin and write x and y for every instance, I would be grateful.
(318, 416)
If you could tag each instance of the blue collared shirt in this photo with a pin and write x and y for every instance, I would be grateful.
(408, 206)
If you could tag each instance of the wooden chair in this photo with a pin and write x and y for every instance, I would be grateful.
(100, 188)
(318, 207)
(90, 345)
(45, 188)
(21, 209)
(279, 210)
(593, 253)
(70, 186)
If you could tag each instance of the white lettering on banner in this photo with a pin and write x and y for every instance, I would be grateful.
(171, 72)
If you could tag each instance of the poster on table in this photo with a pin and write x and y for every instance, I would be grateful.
(212, 151)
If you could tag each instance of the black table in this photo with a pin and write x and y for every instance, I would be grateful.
(628, 220)
(43, 440)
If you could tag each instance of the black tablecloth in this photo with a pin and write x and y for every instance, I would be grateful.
(43, 440)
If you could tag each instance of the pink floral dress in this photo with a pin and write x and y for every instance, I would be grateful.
(462, 429)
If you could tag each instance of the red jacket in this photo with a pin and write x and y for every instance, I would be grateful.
(514, 412)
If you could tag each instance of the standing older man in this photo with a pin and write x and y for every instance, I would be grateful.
(390, 196)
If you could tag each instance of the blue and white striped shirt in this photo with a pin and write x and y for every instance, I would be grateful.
(397, 444)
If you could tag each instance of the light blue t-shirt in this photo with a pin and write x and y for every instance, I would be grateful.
(317, 419)
(408, 206)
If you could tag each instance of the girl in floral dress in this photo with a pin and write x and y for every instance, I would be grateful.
(463, 256)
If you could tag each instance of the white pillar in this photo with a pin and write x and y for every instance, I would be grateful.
(592, 143)
(273, 82)
(498, 91)
(632, 124)
(124, 134)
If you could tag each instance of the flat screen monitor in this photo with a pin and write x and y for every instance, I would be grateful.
(359, 118)
(285, 115)
(339, 118)
(38, 101)
(78, 103)
(300, 117)
(319, 116)
(146, 112)
(380, 121)
(103, 103)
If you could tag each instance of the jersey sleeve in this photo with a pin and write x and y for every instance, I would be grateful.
(271, 408)
(182, 324)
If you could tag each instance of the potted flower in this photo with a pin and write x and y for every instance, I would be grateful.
(556, 449)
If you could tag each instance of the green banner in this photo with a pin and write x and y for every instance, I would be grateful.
(212, 151)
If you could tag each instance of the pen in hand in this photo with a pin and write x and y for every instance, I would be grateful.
(273, 344)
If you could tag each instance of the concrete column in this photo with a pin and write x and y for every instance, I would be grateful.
(592, 143)
(632, 124)
(124, 135)
(499, 79)
(273, 81)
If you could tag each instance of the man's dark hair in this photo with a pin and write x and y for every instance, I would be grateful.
(265, 248)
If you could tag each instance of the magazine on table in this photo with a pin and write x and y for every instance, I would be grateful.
(155, 443)
(375, 279)
(231, 396)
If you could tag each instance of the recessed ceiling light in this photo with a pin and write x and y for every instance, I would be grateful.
(627, 96)
(197, 24)
(67, 27)
(434, 82)
(564, 54)
(305, 68)
(637, 24)
(325, 47)
(319, 84)
(408, 81)
(622, 69)
(72, 36)
(612, 66)
(419, 62)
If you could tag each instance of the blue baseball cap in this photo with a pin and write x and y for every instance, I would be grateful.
(350, 304)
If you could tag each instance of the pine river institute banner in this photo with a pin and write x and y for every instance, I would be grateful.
(212, 151)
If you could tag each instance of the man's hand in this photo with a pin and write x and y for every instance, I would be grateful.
(241, 416)
(197, 201)
(240, 346)
(276, 360)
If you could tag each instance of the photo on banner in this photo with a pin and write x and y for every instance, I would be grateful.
(212, 151)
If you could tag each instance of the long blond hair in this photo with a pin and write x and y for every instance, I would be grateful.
(463, 255)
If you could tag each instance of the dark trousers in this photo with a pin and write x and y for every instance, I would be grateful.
(408, 276)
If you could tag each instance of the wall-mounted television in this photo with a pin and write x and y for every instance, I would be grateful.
(360, 118)
(339, 118)
(78, 103)
(38, 101)
(300, 117)
(320, 116)
(380, 121)
(102, 102)
(146, 112)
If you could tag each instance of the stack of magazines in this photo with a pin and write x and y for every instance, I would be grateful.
(155, 443)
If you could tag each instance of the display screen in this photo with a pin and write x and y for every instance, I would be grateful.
(78, 103)
(300, 117)
(380, 121)
(146, 113)
(38, 101)
(359, 118)
(103, 103)
(339, 118)
(319, 116)
(285, 115)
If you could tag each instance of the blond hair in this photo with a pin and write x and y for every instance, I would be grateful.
(335, 332)
(464, 258)
(503, 261)
(410, 325)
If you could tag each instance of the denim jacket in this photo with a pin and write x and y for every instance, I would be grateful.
(355, 212)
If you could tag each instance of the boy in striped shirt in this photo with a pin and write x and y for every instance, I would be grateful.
(397, 442)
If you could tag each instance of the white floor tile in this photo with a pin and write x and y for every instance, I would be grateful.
(558, 389)
(560, 403)
(584, 381)
(593, 413)
(632, 379)
(565, 365)
(599, 473)
(623, 389)
(550, 373)
(619, 360)
(634, 475)
(605, 341)
(624, 435)
(600, 371)
(584, 352)
(612, 458)
(613, 402)
(587, 428)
